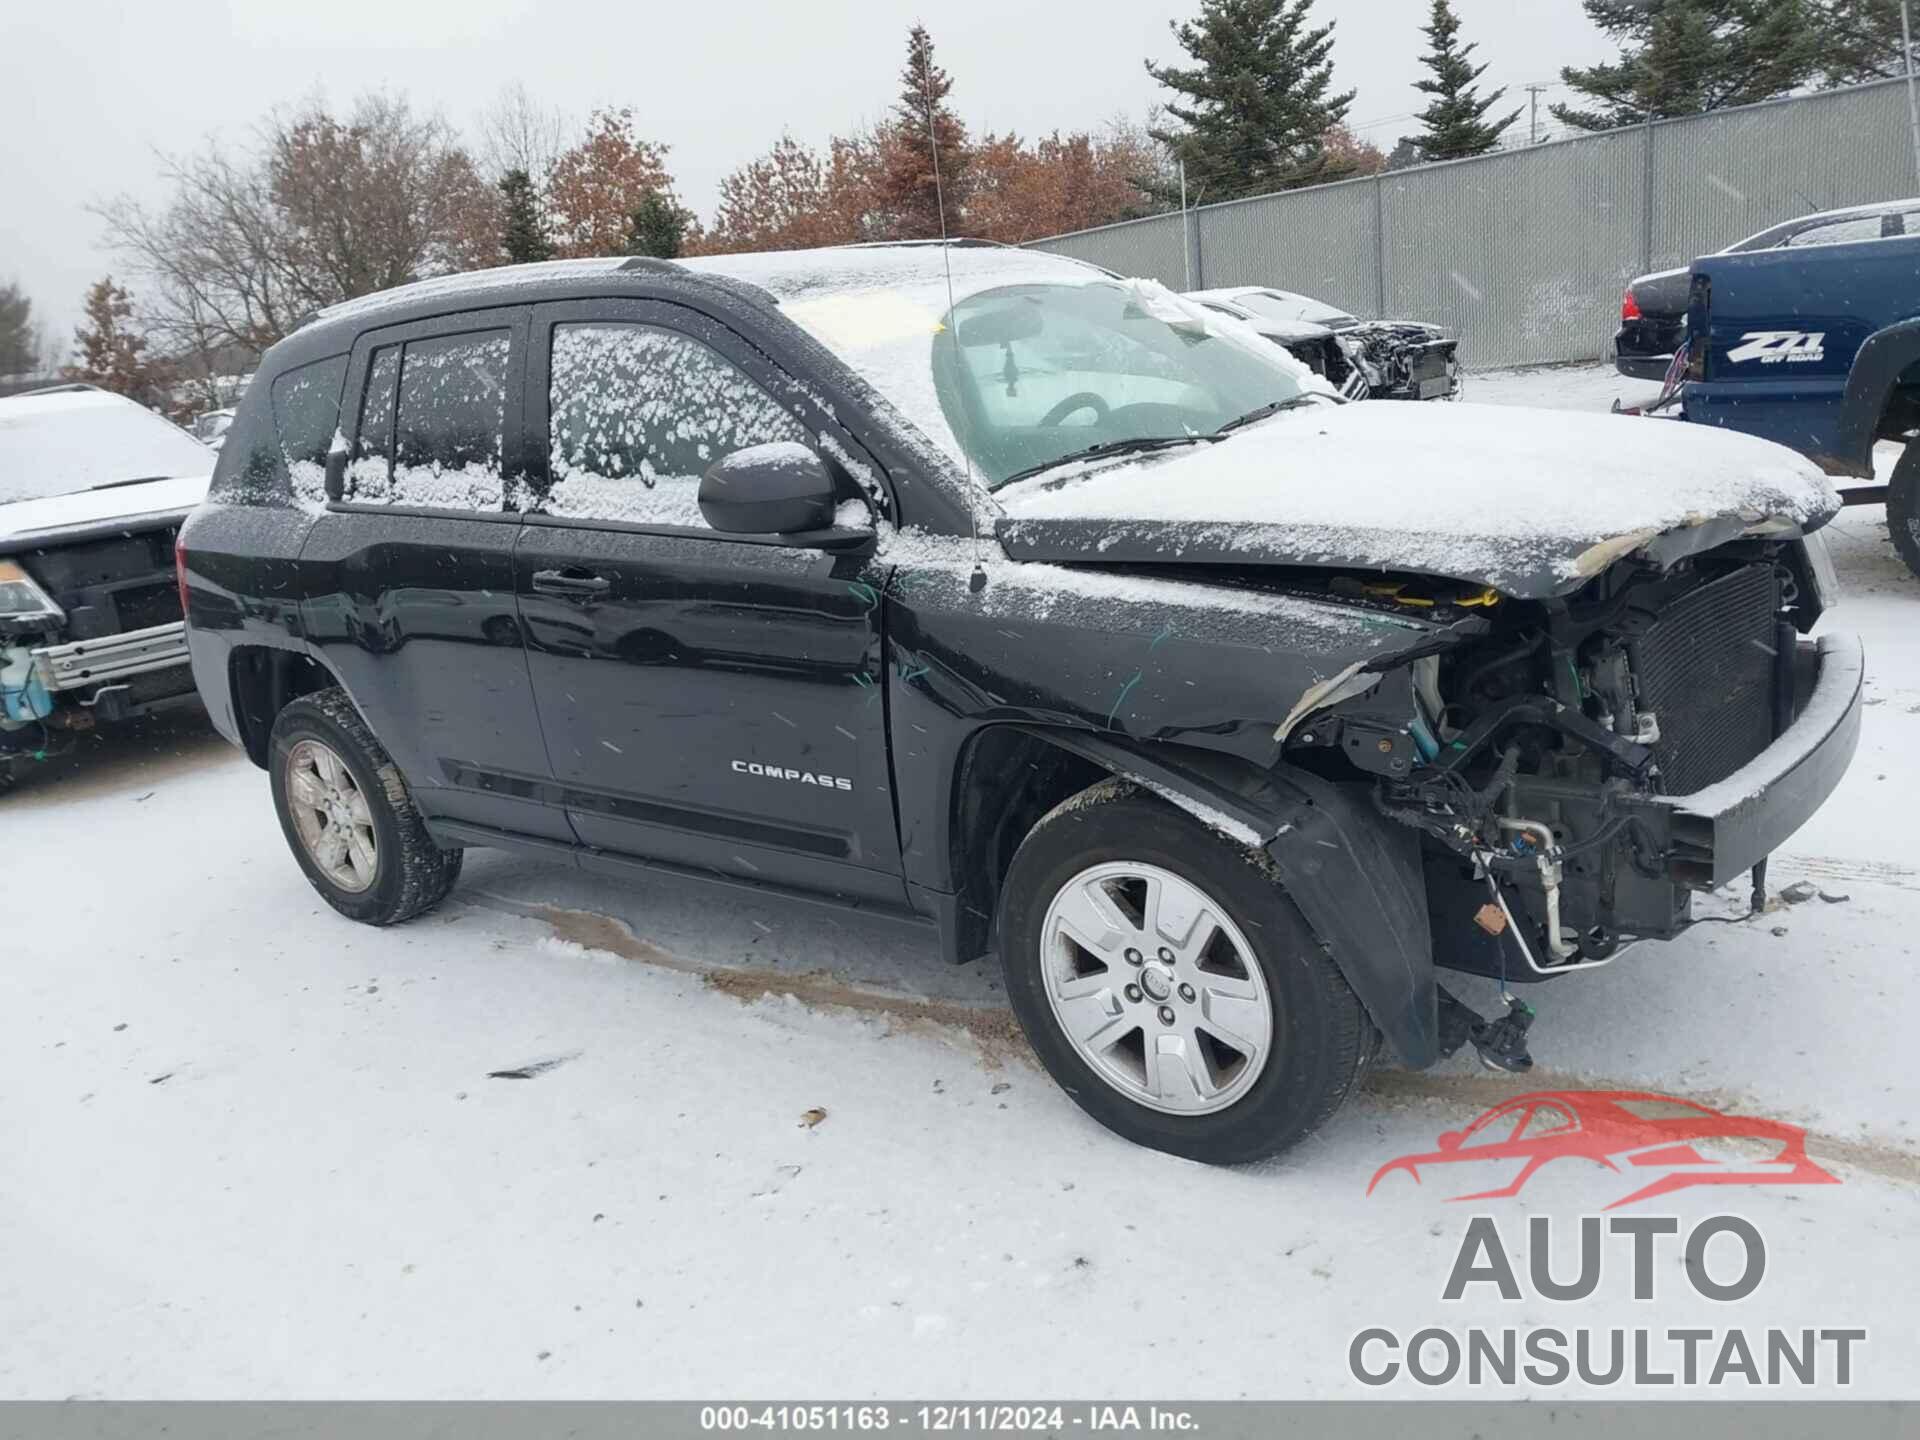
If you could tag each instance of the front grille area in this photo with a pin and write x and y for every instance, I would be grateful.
(111, 585)
(140, 607)
(1705, 667)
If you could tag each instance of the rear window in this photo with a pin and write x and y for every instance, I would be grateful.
(433, 424)
(63, 441)
(1841, 232)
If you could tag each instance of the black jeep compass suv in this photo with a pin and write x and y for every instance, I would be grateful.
(988, 588)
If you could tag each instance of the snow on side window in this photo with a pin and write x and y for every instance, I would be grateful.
(451, 424)
(370, 468)
(639, 413)
(1842, 232)
(306, 412)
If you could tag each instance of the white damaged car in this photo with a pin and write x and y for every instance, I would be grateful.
(93, 489)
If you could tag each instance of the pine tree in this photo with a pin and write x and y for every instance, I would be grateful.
(19, 339)
(1456, 123)
(658, 227)
(1686, 57)
(908, 195)
(112, 350)
(1257, 103)
(522, 235)
(1860, 40)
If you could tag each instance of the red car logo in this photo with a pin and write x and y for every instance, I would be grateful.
(1626, 1131)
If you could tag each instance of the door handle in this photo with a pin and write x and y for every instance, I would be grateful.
(570, 582)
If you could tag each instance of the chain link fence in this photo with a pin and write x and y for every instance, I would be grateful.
(1526, 252)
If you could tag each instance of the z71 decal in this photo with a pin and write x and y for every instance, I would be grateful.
(1771, 347)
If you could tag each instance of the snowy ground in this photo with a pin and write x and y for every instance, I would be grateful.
(254, 1150)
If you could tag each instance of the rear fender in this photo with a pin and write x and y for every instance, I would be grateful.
(1355, 875)
(1876, 370)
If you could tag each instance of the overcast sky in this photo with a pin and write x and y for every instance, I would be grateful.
(90, 88)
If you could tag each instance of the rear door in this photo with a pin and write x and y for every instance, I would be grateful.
(710, 701)
(408, 578)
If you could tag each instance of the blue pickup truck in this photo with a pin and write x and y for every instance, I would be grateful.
(1817, 348)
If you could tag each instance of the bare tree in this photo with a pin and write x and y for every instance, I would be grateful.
(518, 132)
(319, 209)
(215, 257)
(377, 199)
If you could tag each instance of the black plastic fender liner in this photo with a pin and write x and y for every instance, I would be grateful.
(1355, 874)
(1882, 359)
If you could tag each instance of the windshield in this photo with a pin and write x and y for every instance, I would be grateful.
(1029, 375)
(63, 441)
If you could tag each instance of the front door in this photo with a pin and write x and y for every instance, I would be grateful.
(710, 702)
(408, 578)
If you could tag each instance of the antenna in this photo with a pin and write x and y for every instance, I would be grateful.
(978, 581)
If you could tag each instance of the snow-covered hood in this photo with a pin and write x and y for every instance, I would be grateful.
(1532, 502)
(28, 521)
(1288, 332)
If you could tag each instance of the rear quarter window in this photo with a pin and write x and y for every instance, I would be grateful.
(306, 414)
(275, 450)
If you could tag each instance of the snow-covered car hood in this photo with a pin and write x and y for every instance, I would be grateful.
(30, 520)
(1288, 332)
(1532, 502)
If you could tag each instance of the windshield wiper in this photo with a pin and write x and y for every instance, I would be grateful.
(137, 480)
(1261, 412)
(1138, 446)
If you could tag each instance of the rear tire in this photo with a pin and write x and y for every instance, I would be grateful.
(348, 815)
(1260, 1039)
(1903, 506)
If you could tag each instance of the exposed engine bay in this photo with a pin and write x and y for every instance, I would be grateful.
(1529, 753)
(1382, 360)
(1402, 359)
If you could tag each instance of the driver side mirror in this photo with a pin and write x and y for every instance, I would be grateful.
(1450, 1141)
(774, 489)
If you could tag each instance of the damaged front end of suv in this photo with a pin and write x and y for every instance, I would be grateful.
(1609, 705)
(1583, 767)
(1403, 359)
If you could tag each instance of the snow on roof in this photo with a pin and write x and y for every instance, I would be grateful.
(54, 400)
(503, 277)
(856, 269)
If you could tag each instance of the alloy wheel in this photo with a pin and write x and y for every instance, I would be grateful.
(1156, 988)
(331, 816)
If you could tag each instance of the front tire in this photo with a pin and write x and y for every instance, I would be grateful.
(1903, 506)
(348, 815)
(1169, 986)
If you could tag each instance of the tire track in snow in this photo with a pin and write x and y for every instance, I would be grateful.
(1865, 872)
(998, 1034)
